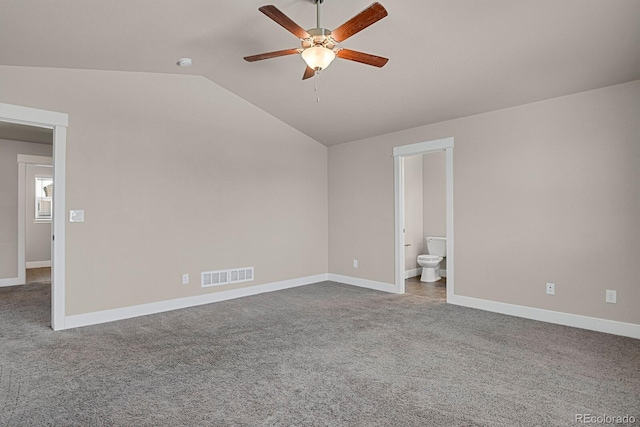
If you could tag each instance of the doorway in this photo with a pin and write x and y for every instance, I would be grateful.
(399, 155)
(35, 213)
(57, 122)
(425, 225)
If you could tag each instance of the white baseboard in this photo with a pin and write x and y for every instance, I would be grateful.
(37, 264)
(363, 283)
(577, 321)
(12, 281)
(584, 322)
(412, 273)
(161, 306)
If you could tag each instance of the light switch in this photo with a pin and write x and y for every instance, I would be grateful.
(76, 215)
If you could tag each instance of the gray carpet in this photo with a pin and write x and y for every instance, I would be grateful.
(319, 355)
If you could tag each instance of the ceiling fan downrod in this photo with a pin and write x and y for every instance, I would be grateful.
(318, 34)
(318, 3)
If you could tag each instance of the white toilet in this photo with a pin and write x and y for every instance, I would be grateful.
(437, 248)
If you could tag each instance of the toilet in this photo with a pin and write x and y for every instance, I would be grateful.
(437, 250)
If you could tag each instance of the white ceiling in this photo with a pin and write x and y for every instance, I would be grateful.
(448, 58)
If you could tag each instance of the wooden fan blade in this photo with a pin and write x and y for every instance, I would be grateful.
(363, 58)
(269, 55)
(274, 13)
(308, 73)
(369, 16)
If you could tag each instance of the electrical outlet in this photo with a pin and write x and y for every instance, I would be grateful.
(611, 296)
(551, 289)
(185, 279)
(355, 263)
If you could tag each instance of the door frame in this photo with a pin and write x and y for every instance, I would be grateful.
(58, 122)
(399, 153)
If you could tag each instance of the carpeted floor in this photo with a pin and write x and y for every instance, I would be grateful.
(319, 355)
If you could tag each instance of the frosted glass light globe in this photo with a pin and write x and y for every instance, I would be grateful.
(318, 57)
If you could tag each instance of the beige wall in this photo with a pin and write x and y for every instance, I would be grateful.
(37, 234)
(9, 151)
(413, 217)
(544, 192)
(550, 189)
(435, 194)
(235, 186)
(435, 197)
(361, 211)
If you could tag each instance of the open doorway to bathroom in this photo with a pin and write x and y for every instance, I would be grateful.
(425, 225)
(423, 187)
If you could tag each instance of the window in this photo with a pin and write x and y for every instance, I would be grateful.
(44, 197)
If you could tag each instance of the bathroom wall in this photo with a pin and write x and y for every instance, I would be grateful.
(37, 233)
(9, 151)
(543, 192)
(435, 197)
(413, 217)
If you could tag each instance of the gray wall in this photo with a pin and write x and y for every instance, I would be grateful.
(176, 175)
(544, 192)
(9, 151)
(413, 218)
(37, 234)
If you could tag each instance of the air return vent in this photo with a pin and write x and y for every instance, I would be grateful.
(241, 274)
(225, 277)
(215, 278)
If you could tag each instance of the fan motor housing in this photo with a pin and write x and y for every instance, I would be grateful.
(319, 37)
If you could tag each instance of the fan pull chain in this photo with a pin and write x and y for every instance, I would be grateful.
(317, 86)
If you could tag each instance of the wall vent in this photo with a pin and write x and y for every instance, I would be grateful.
(225, 277)
(241, 274)
(214, 278)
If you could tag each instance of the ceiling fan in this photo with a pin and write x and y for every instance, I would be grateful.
(319, 45)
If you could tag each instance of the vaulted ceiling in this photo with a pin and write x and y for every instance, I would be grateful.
(448, 58)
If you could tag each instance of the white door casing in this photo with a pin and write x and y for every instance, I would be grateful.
(58, 122)
(399, 153)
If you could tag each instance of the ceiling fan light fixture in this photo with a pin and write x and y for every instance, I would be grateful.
(320, 45)
(318, 57)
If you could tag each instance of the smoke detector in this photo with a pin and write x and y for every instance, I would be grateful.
(184, 62)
